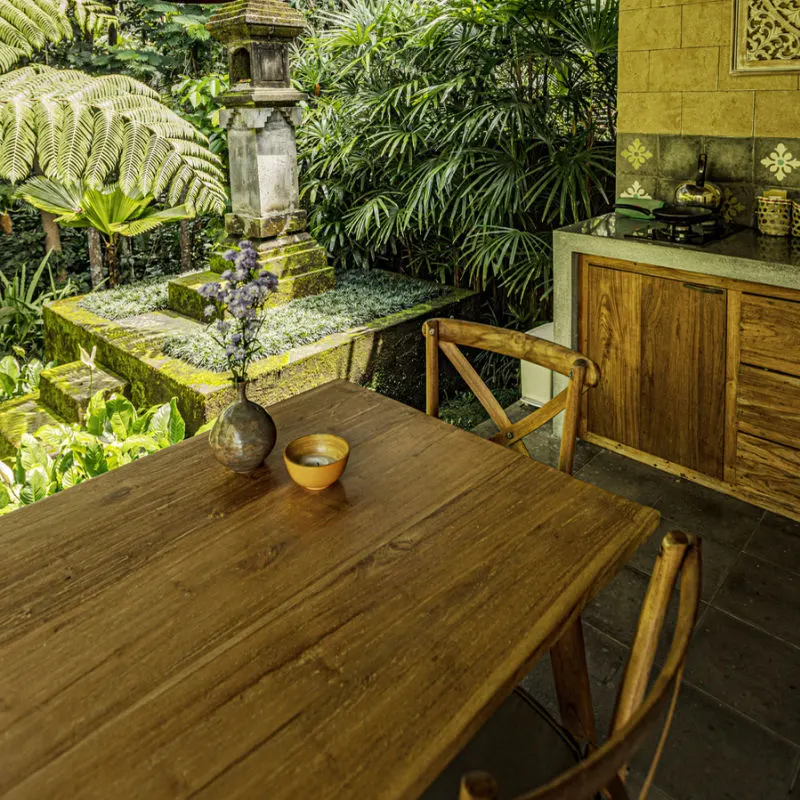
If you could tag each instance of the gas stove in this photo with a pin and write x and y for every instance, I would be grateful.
(685, 233)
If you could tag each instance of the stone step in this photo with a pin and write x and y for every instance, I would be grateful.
(19, 416)
(67, 389)
(184, 295)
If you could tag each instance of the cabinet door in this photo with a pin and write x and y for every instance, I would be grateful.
(660, 346)
(612, 322)
(682, 405)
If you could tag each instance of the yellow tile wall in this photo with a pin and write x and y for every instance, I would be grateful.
(674, 75)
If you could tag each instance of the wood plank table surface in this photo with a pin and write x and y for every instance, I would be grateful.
(172, 629)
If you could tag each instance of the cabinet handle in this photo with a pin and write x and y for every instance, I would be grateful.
(699, 287)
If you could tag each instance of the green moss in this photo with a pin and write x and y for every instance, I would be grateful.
(19, 416)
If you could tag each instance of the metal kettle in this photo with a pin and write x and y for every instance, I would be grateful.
(699, 193)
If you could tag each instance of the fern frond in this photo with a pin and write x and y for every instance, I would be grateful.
(96, 126)
(134, 150)
(106, 149)
(18, 147)
(75, 141)
(48, 120)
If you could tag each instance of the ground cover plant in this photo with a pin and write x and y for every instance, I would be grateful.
(57, 457)
(360, 297)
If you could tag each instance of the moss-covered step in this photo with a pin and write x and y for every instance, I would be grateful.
(185, 297)
(67, 389)
(22, 415)
(387, 354)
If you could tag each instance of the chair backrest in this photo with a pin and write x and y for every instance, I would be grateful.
(636, 715)
(447, 334)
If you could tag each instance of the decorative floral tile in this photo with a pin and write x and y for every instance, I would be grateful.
(778, 161)
(636, 153)
(631, 185)
(636, 190)
(737, 203)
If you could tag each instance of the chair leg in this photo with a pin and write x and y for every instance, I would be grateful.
(571, 675)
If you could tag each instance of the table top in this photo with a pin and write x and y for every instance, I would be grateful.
(172, 629)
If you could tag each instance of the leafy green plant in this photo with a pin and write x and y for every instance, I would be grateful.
(60, 456)
(110, 211)
(72, 126)
(16, 379)
(22, 300)
(447, 138)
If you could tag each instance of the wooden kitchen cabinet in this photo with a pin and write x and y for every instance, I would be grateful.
(700, 376)
(660, 346)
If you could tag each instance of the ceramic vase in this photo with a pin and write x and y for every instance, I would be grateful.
(243, 435)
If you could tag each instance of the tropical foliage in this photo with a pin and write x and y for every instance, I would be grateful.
(18, 379)
(22, 300)
(110, 211)
(60, 456)
(447, 137)
(78, 127)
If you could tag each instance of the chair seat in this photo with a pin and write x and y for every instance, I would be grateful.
(521, 745)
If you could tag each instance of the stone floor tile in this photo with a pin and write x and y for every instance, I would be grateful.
(606, 660)
(777, 539)
(764, 595)
(543, 444)
(626, 477)
(749, 670)
(717, 558)
(634, 785)
(615, 611)
(714, 753)
(709, 514)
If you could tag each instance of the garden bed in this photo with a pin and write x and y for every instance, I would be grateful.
(367, 330)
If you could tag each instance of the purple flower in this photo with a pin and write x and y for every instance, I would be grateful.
(229, 255)
(209, 311)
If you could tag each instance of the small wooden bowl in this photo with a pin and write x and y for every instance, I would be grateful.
(316, 461)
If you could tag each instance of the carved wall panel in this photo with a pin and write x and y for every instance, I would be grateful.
(767, 36)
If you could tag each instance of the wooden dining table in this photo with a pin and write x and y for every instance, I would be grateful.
(172, 629)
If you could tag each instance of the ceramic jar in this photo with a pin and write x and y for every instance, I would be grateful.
(243, 435)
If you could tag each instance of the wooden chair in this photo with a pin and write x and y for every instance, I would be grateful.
(447, 334)
(499, 764)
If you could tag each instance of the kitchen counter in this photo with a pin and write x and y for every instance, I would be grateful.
(746, 256)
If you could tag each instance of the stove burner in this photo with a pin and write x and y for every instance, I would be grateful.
(685, 232)
(680, 234)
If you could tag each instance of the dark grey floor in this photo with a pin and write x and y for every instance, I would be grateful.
(736, 733)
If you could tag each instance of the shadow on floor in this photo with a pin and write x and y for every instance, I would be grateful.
(736, 733)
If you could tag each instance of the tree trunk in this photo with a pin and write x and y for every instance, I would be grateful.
(95, 258)
(187, 245)
(112, 262)
(52, 235)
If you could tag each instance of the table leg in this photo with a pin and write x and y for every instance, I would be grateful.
(571, 675)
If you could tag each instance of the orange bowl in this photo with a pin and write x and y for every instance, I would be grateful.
(316, 461)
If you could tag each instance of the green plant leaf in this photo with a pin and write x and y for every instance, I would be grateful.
(94, 460)
(72, 477)
(32, 454)
(36, 486)
(121, 416)
(5, 496)
(167, 424)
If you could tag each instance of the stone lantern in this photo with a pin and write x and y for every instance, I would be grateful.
(260, 114)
